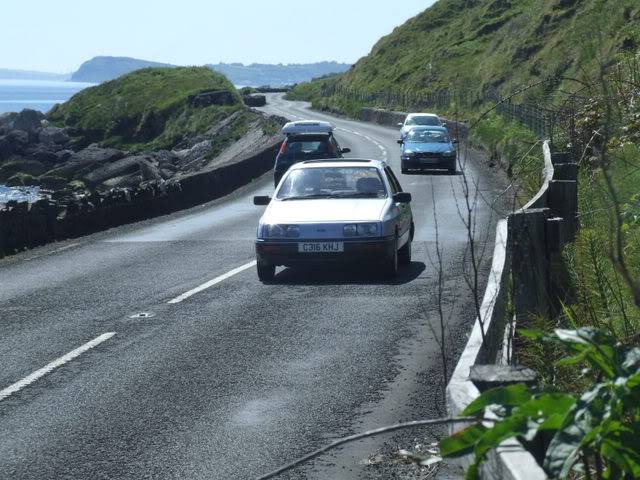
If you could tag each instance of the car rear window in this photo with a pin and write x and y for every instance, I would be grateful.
(332, 182)
(427, 136)
(426, 120)
(309, 145)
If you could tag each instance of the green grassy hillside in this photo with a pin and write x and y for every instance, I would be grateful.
(146, 108)
(478, 44)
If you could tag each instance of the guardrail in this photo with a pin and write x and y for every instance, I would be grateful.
(526, 255)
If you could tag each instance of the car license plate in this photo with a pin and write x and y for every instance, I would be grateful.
(321, 247)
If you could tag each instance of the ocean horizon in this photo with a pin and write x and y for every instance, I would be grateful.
(41, 95)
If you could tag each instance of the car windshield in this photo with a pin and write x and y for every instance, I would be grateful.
(423, 120)
(427, 136)
(332, 182)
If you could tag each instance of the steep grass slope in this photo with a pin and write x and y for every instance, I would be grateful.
(479, 44)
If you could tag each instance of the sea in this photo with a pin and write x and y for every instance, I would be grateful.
(42, 95)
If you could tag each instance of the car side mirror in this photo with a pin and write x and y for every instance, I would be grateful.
(444, 124)
(400, 142)
(455, 140)
(402, 197)
(345, 150)
(261, 200)
(400, 124)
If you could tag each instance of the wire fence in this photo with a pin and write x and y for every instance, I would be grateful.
(543, 121)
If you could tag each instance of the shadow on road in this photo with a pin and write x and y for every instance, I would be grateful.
(434, 173)
(346, 275)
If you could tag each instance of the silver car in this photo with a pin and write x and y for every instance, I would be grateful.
(346, 210)
(419, 120)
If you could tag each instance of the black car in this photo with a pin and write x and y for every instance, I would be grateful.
(306, 141)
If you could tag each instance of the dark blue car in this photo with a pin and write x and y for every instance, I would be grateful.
(427, 148)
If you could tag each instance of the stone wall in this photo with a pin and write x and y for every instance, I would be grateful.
(24, 225)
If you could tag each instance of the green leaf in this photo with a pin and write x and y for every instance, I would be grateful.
(462, 442)
(595, 345)
(510, 396)
(473, 472)
(508, 428)
(533, 334)
(621, 445)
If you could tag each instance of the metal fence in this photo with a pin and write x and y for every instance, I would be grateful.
(540, 120)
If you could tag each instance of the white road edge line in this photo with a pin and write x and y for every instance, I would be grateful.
(16, 387)
(211, 283)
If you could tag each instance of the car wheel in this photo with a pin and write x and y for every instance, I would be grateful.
(391, 270)
(404, 254)
(404, 170)
(266, 272)
(452, 168)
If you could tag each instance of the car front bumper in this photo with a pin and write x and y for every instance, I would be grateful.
(355, 251)
(428, 162)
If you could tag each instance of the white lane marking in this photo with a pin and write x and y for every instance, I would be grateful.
(385, 153)
(16, 387)
(211, 283)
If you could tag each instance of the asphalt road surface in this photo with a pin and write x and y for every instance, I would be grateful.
(115, 364)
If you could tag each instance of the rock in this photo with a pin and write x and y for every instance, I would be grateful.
(255, 100)
(15, 141)
(119, 168)
(150, 126)
(197, 152)
(53, 136)
(13, 167)
(63, 155)
(21, 180)
(43, 153)
(217, 97)
(52, 182)
(86, 160)
(28, 121)
(149, 171)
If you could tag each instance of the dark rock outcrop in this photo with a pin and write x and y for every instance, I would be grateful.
(218, 97)
(255, 100)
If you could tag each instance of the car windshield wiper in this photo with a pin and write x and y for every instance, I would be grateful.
(310, 197)
(360, 195)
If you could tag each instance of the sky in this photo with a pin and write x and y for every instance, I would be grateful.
(58, 35)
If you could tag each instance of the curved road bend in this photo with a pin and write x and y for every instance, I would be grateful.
(103, 377)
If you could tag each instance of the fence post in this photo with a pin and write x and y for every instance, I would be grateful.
(555, 240)
(529, 266)
(562, 199)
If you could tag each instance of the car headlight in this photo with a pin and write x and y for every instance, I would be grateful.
(449, 153)
(281, 231)
(360, 230)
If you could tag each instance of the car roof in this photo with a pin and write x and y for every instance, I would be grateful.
(307, 126)
(434, 128)
(340, 162)
(411, 115)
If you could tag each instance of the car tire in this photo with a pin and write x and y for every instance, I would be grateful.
(266, 272)
(404, 170)
(404, 254)
(452, 168)
(391, 268)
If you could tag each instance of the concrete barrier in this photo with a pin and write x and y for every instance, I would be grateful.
(24, 226)
(528, 251)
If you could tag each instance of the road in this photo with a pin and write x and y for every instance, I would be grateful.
(103, 376)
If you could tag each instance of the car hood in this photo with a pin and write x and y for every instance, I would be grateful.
(427, 147)
(325, 210)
